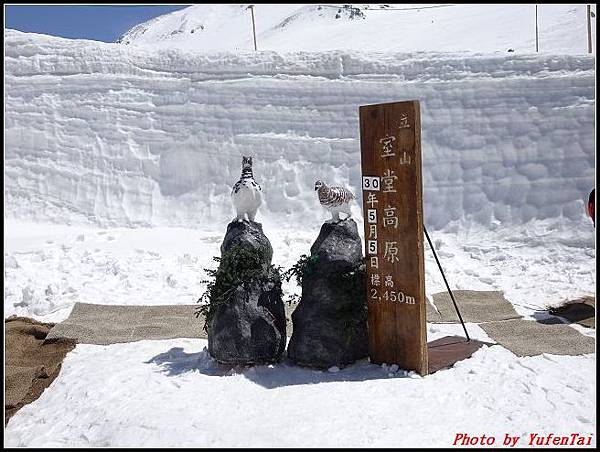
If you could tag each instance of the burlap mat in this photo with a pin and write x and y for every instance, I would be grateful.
(530, 338)
(107, 324)
(475, 307)
(31, 363)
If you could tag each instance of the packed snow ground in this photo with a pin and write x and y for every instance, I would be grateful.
(171, 393)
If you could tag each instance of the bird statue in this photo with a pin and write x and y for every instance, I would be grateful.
(334, 199)
(246, 194)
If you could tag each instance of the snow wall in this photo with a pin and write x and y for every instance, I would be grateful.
(118, 136)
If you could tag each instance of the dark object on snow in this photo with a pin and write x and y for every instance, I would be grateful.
(330, 322)
(591, 206)
(248, 325)
(510, 50)
(443, 353)
(581, 311)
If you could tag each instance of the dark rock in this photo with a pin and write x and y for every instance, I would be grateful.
(250, 235)
(330, 322)
(250, 327)
(338, 247)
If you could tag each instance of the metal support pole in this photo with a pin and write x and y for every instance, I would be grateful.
(447, 285)
(253, 26)
(537, 47)
(589, 27)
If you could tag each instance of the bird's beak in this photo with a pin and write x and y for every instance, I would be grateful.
(316, 188)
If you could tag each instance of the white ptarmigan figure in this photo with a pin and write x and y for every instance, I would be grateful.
(334, 199)
(246, 193)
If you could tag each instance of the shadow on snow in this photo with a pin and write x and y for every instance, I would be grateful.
(285, 373)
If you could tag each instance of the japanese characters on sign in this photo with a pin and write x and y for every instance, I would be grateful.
(384, 217)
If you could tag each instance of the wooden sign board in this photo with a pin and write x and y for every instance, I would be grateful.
(390, 139)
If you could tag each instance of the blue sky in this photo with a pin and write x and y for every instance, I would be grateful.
(98, 22)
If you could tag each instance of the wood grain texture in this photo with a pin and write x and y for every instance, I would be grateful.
(390, 136)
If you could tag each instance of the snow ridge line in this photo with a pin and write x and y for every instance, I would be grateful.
(34, 56)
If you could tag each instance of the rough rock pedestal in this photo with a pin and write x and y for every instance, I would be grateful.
(330, 322)
(250, 327)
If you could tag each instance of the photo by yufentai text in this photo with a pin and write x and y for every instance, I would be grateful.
(531, 439)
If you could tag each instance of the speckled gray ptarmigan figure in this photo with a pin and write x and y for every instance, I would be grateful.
(334, 199)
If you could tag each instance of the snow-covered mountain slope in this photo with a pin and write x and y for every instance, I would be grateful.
(400, 27)
(124, 136)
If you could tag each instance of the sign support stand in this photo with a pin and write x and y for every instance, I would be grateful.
(447, 285)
